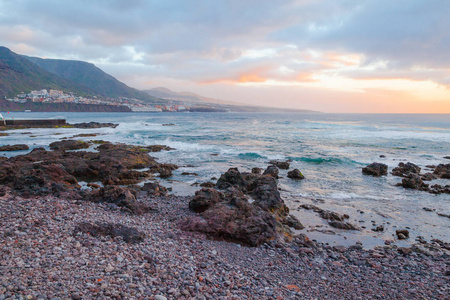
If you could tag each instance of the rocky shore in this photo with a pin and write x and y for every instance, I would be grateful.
(78, 224)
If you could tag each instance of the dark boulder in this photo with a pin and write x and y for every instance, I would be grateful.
(69, 145)
(208, 184)
(443, 171)
(17, 147)
(283, 165)
(164, 173)
(333, 216)
(244, 223)
(403, 170)
(402, 234)
(128, 234)
(295, 174)
(272, 171)
(414, 182)
(265, 192)
(375, 169)
(231, 178)
(343, 225)
(379, 228)
(158, 148)
(124, 198)
(256, 171)
(428, 177)
(293, 222)
(154, 189)
(92, 125)
(439, 189)
(204, 199)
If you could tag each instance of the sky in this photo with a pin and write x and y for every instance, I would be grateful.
(355, 56)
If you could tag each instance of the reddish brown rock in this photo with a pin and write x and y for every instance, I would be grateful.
(295, 174)
(403, 170)
(375, 169)
(17, 147)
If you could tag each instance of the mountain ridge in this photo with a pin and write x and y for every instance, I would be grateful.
(89, 75)
(19, 75)
(165, 93)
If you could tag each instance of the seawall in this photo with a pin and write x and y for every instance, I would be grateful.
(34, 122)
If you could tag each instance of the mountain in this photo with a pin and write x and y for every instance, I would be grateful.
(201, 103)
(18, 74)
(165, 93)
(88, 75)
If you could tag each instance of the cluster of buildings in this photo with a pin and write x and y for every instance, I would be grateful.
(57, 96)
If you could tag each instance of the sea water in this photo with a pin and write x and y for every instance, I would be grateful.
(329, 149)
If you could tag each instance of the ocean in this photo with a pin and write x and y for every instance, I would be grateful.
(329, 149)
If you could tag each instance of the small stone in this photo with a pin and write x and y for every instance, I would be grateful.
(160, 297)
(109, 269)
(402, 234)
(75, 296)
(405, 251)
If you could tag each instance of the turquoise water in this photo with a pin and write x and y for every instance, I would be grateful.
(329, 149)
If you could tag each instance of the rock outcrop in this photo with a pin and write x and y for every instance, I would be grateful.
(69, 145)
(128, 234)
(404, 170)
(231, 214)
(443, 171)
(17, 147)
(42, 172)
(272, 171)
(375, 169)
(283, 165)
(295, 174)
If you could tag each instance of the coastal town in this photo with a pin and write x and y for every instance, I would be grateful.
(58, 96)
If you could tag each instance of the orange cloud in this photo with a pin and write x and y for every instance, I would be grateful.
(306, 77)
(251, 78)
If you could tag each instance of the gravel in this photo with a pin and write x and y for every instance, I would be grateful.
(42, 256)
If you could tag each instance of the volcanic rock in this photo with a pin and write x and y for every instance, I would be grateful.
(284, 165)
(402, 234)
(414, 182)
(154, 189)
(69, 145)
(403, 170)
(375, 169)
(256, 171)
(295, 174)
(128, 234)
(238, 222)
(293, 222)
(91, 125)
(204, 199)
(443, 171)
(124, 198)
(265, 192)
(343, 225)
(17, 147)
(333, 216)
(230, 178)
(271, 171)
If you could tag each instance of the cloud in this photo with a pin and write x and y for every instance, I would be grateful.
(312, 44)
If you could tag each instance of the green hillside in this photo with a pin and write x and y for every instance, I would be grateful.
(89, 75)
(18, 74)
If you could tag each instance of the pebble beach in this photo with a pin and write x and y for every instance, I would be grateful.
(42, 257)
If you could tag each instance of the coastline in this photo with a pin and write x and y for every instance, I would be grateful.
(44, 256)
